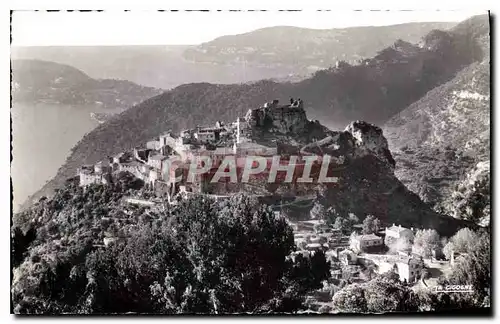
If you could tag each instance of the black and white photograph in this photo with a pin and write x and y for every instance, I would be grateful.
(251, 162)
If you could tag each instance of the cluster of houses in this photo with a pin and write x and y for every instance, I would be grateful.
(382, 251)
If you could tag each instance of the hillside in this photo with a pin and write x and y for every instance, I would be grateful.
(373, 91)
(307, 49)
(442, 141)
(35, 81)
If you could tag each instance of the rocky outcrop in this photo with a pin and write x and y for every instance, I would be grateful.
(369, 139)
(284, 118)
(289, 119)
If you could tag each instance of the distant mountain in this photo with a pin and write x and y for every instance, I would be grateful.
(217, 62)
(35, 81)
(442, 142)
(155, 66)
(306, 49)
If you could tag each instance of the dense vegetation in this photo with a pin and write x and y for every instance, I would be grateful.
(86, 251)
(374, 91)
(200, 256)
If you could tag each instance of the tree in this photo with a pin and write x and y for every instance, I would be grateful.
(386, 295)
(425, 241)
(461, 242)
(318, 211)
(20, 243)
(342, 224)
(391, 275)
(308, 273)
(381, 294)
(370, 271)
(371, 225)
(475, 268)
(402, 244)
(448, 249)
(350, 299)
(200, 256)
(352, 237)
(353, 219)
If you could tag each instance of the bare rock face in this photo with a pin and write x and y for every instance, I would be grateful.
(283, 118)
(369, 139)
(289, 119)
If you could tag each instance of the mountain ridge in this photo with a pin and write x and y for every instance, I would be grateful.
(309, 47)
(166, 66)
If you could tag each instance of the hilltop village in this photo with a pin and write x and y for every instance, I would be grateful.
(163, 159)
(353, 257)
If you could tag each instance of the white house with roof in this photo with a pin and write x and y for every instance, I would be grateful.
(362, 243)
(395, 233)
(408, 268)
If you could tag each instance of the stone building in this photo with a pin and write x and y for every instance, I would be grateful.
(250, 148)
(207, 135)
(99, 173)
(364, 243)
(156, 161)
(141, 154)
(395, 233)
(410, 269)
(210, 134)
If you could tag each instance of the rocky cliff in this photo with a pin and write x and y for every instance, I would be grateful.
(369, 139)
(280, 118)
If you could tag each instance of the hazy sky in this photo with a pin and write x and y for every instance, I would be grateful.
(30, 28)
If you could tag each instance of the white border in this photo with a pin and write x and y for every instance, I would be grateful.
(179, 4)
